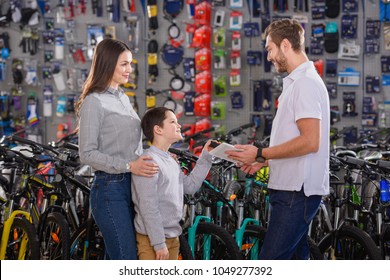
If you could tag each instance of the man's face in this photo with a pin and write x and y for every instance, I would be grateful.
(276, 56)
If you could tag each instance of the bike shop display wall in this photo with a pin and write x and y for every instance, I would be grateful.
(211, 53)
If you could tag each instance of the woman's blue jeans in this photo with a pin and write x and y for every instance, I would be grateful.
(291, 214)
(113, 211)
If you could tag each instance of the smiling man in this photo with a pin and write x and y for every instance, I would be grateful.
(298, 155)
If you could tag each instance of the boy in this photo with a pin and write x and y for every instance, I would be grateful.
(158, 200)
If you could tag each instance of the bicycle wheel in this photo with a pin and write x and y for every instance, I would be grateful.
(222, 244)
(87, 243)
(352, 243)
(185, 252)
(55, 238)
(252, 241)
(22, 232)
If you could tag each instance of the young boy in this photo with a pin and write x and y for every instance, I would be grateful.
(158, 200)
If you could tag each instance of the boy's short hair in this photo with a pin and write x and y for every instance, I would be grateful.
(152, 117)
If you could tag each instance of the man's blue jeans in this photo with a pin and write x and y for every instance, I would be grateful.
(291, 214)
(113, 211)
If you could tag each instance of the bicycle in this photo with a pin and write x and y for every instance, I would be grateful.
(19, 240)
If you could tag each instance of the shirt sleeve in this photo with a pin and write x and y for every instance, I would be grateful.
(193, 181)
(148, 205)
(307, 100)
(91, 115)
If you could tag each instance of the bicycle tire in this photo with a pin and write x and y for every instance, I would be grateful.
(83, 247)
(185, 252)
(259, 232)
(252, 234)
(55, 238)
(21, 228)
(352, 244)
(223, 245)
(315, 252)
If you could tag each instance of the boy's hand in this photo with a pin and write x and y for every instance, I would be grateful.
(162, 254)
(208, 146)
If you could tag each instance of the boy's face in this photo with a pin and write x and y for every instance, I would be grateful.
(171, 128)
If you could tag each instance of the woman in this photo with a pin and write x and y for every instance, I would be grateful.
(110, 141)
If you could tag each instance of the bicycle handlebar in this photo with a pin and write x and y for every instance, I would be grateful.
(238, 130)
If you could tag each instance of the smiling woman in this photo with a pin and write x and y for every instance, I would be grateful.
(110, 141)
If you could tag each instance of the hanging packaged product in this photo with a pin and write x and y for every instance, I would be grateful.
(219, 37)
(172, 55)
(236, 4)
(254, 57)
(95, 34)
(202, 37)
(235, 60)
(61, 106)
(47, 101)
(172, 8)
(17, 94)
(133, 29)
(152, 61)
(319, 65)
(349, 104)
(236, 41)
(203, 59)
(331, 37)
(203, 82)
(219, 59)
(373, 84)
(150, 98)
(189, 69)
(219, 18)
(349, 77)
(113, 10)
(202, 105)
(237, 100)
(332, 8)
(218, 109)
(251, 29)
(152, 15)
(220, 86)
(202, 14)
(189, 100)
(235, 20)
(32, 109)
(59, 81)
(235, 78)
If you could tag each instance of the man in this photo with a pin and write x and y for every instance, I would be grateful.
(298, 155)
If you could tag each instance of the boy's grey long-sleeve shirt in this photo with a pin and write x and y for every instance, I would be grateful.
(158, 200)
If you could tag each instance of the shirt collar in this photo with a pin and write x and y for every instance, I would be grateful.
(160, 152)
(116, 92)
(300, 69)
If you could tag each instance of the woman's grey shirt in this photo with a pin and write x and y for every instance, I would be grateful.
(110, 131)
(158, 200)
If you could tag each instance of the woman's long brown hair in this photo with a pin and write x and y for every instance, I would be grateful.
(102, 69)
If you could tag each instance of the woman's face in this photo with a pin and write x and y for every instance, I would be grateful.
(122, 69)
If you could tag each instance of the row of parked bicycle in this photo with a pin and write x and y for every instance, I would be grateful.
(45, 211)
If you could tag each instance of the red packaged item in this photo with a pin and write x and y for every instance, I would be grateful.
(203, 13)
(203, 82)
(202, 37)
(202, 105)
(203, 59)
